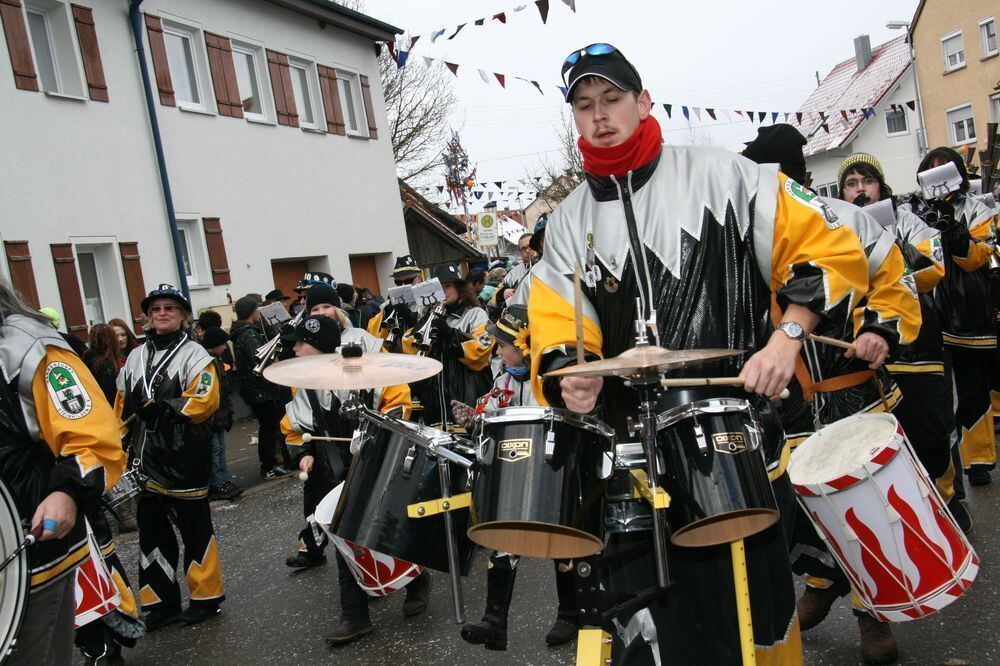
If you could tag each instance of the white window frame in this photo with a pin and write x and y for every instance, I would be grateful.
(92, 251)
(110, 276)
(951, 126)
(312, 87)
(994, 104)
(984, 47)
(197, 55)
(944, 50)
(257, 53)
(353, 80)
(194, 239)
(906, 121)
(67, 64)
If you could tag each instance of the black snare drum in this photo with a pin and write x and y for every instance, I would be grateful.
(542, 482)
(388, 474)
(711, 444)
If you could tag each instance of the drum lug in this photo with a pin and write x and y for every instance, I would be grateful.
(550, 444)
(411, 455)
(699, 435)
(485, 450)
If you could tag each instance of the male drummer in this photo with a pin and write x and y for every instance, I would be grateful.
(691, 242)
(60, 451)
(512, 388)
(317, 412)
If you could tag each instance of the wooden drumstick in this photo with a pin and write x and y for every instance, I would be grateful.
(578, 314)
(833, 342)
(132, 417)
(682, 382)
(309, 437)
(29, 540)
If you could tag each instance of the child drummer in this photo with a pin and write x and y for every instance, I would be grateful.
(511, 388)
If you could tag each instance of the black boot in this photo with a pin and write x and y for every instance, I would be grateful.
(492, 631)
(567, 625)
(418, 595)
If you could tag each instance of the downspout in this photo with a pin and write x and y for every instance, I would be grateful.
(135, 17)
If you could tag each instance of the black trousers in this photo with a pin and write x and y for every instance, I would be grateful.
(268, 415)
(312, 538)
(353, 600)
(973, 410)
(159, 554)
(927, 418)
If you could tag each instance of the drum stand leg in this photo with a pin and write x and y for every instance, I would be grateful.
(444, 475)
(747, 649)
(647, 425)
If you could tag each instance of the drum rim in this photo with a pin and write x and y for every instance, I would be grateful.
(583, 421)
(536, 526)
(677, 539)
(669, 417)
(21, 591)
(849, 478)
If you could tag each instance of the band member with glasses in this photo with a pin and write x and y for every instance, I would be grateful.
(60, 451)
(692, 242)
(519, 273)
(396, 316)
(171, 385)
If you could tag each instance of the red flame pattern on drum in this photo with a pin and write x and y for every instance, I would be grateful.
(378, 574)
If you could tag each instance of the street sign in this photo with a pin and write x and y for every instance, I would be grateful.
(487, 228)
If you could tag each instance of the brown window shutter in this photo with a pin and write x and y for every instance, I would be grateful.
(331, 100)
(220, 62)
(69, 289)
(18, 45)
(158, 52)
(366, 93)
(22, 277)
(134, 284)
(281, 84)
(216, 250)
(86, 34)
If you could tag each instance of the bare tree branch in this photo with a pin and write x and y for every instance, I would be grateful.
(561, 177)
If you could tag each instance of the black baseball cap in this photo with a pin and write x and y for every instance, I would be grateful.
(276, 295)
(603, 60)
(448, 274)
(323, 333)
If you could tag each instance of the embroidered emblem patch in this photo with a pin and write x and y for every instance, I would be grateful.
(312, 325)
(811, 199)
(937, 252)
(68, 394)
(204, 384)
(484, 339)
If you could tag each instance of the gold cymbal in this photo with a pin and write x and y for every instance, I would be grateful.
(644, 360)
(368, 371)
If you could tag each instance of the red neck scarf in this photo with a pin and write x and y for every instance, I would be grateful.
(637, 150)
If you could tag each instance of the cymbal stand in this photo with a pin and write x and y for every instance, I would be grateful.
(444, 475)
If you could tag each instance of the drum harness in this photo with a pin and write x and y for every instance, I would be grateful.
(152, 378)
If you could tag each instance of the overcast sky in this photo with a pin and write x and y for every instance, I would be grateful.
(760, 56)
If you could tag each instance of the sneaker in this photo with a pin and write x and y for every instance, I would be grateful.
(230, 490)
(160, 617)
(563, 631)
(488, 633)
(878, 646)
(275, 472)
(979, 475)
(346, 632)
(215, 494)
(418, 595)
(814, 604)
(961, 514)
(196, 614)
(303, 561)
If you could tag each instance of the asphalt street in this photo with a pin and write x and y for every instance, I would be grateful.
(275, 616)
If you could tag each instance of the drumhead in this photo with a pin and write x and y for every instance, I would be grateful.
(840, 448)
(13, 579)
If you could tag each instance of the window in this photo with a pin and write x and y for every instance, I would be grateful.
(995, 108)
(829, 190)
(56, 55)
(90, 280)
(305, 93)
(988, 36)
(954, 51)
(350, 101)
(193, 253)
(895, 121)
(246, 60)
(182, 60)
(186, 253)
(962, 127)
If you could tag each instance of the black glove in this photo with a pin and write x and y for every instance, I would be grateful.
(861, 200)
(154, 411)
(955, 238)
(943, 214)
(442, 331)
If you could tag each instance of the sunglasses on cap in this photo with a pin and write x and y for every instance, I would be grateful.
(593, 50)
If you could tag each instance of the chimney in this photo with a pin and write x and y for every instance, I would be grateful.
(862, 51)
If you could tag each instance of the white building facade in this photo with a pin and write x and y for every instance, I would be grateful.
(273, 130)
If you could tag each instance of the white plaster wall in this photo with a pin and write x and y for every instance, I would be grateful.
(87, 169)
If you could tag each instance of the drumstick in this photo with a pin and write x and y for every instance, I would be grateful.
(29, 540)
(578, 313)
(309, 437)
(833, 342)
(132, 418)
(682, 382)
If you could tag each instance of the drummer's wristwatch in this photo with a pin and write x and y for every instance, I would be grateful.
(792, 330)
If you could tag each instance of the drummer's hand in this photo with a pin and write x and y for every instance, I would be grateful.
(306, 464)
(768, 371)
(61, 508)
(508, 294)
(870, 347)
(580, 393)
(463, 413)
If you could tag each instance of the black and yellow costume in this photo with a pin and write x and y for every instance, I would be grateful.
(172, 441)
(701, 238)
